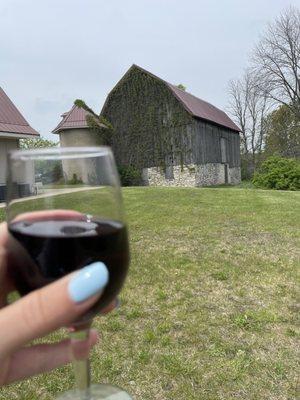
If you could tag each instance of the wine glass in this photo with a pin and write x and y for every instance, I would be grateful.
(64, 211)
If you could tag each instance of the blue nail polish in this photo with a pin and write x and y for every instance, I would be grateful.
(88, 281)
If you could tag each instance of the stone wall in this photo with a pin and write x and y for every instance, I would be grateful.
(234, 175)
(210, 174)
(214, 174)
(191, 175)
(156, 176)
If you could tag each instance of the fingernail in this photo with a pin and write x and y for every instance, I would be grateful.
(88, 281)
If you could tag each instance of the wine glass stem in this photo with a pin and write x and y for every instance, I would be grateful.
(80, 359)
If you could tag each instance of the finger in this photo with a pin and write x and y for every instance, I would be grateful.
(47, 214)
(41, 358)
(3, 234)
(49, 308)
(5, 283)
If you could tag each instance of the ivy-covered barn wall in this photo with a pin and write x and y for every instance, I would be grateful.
(151, 127)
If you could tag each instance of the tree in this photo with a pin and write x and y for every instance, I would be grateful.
(37, 143)
(48, 171)
(182, 87)
(282, 133)
(248, 107)
(277, 60)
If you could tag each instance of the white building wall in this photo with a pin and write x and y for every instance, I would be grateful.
(5, 146)
(78, 137)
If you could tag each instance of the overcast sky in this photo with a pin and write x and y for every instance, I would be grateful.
(54, 51)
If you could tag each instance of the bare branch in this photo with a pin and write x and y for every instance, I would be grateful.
(276, 60)
(249, 106)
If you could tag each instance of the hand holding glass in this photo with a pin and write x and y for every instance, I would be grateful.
(65, 213)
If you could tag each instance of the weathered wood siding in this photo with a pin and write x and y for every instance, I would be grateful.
(207, 144)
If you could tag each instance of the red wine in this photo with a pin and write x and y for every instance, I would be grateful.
(57, 247)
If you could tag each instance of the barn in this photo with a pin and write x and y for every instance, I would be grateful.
(173, 137)
(13, 127)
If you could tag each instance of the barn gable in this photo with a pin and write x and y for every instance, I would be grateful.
(194, 105)
(149, 122)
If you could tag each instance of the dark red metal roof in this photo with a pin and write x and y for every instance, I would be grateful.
(201, 109)
(11, 120)
(75, 118)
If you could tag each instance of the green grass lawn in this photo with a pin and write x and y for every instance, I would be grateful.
(209, 310)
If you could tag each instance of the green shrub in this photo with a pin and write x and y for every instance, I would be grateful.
(278, 173)
(74, 180)
(129, 175)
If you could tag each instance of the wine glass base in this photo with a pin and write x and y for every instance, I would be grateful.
(96, 392)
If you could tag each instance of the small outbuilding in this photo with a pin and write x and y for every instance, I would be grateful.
(172, 136)
(13, 127)
(73, 129)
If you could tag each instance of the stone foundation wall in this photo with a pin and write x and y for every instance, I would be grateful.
(210, 174)
(214, 174)
(191, 175)
(234, 175)
(156, 176)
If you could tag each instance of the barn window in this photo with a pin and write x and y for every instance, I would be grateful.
(223, 150)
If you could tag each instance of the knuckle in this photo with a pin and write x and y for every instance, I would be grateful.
(34, 311)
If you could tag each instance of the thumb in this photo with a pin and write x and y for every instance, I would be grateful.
(51, 307)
